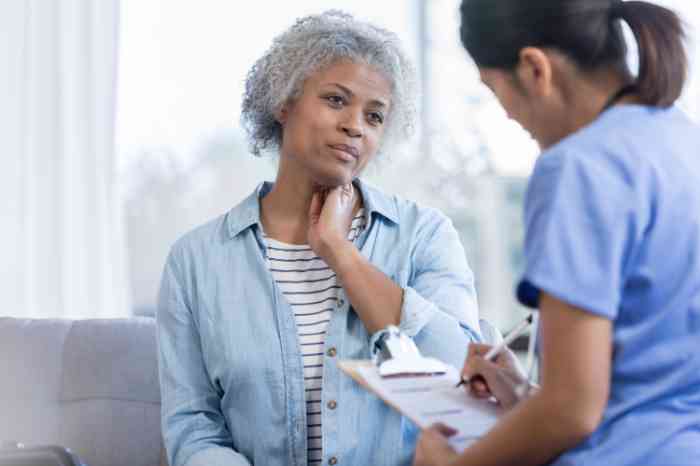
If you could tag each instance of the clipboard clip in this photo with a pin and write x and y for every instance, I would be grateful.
(398, 356)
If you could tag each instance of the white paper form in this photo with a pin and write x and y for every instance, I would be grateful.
(427, 400)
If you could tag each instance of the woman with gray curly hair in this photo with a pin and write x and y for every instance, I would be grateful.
(256, 306)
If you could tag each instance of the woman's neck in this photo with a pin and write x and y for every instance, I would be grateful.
(584, 99)
(284, 211)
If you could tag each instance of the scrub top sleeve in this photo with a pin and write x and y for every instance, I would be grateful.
(579, 218)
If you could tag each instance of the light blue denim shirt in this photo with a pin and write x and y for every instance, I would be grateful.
(231, 374)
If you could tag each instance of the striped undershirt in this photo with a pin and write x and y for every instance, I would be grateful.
(312, 290)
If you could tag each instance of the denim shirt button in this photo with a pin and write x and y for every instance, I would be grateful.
(333, 460)
(341, 302)
(331, 352)
(332, 404)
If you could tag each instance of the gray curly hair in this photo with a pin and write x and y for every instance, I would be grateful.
(311, 44)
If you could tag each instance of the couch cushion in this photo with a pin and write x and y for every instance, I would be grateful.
(31, 368)
(108, 432)
(31, 358)
(111, 359)
(89, 385)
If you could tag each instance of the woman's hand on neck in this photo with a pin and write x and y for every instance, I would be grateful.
(330, 218)
(285, 210)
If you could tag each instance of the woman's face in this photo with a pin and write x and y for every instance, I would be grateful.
(512, 98)
(534, 94)
(335, 127)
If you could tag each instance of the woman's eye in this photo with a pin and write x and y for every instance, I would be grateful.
(376, 118)
(335, 100)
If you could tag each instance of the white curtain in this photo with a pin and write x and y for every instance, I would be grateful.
(61, 239)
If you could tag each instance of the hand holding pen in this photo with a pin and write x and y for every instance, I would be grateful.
(495, 371)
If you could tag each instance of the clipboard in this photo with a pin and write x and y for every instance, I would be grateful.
(426, 400)
(353, 367)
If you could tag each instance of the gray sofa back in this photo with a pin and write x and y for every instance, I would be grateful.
(90, 385)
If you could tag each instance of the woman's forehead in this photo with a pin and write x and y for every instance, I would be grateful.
(355, 77)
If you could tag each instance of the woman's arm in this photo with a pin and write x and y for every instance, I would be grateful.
(375, 298)
(194, 429)
(442, 280)
(576, 361)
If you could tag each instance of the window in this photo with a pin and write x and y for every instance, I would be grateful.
(184, 159)
(479, 161)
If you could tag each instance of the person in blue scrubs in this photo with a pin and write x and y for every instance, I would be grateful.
(612, 243)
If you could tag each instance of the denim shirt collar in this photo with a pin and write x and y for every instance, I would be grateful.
(247, 213)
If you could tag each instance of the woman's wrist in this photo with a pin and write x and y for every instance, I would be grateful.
(340, 256)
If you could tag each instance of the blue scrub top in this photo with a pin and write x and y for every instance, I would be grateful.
(612, 219)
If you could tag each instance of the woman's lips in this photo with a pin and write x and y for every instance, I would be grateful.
(349, 150)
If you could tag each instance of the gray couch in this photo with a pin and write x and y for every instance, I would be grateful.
(90, 385)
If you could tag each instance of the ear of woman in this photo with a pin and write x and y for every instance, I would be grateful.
(534, 72)
(282, 114)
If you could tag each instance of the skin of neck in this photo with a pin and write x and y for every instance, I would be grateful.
(582, 96)
(285, 209)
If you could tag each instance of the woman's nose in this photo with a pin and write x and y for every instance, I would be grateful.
(352, 124)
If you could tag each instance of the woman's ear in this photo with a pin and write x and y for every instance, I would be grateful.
(534, 72)
(282, 114)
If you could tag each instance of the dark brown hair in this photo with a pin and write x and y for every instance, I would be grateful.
(588, 32)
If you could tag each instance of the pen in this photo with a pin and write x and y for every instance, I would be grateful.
(507, 340)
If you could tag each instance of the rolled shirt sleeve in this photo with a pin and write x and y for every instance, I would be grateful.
(194, 428)
(440, 291)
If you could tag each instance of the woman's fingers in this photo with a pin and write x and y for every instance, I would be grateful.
(316, 206)
(478, 382)
(507, 358)
(340, 201)
(475, 357)
(478, 349)
(499, 378)
(501, 382)
(348, 192)
(474, 350)
(330, 219)
(479, 388)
